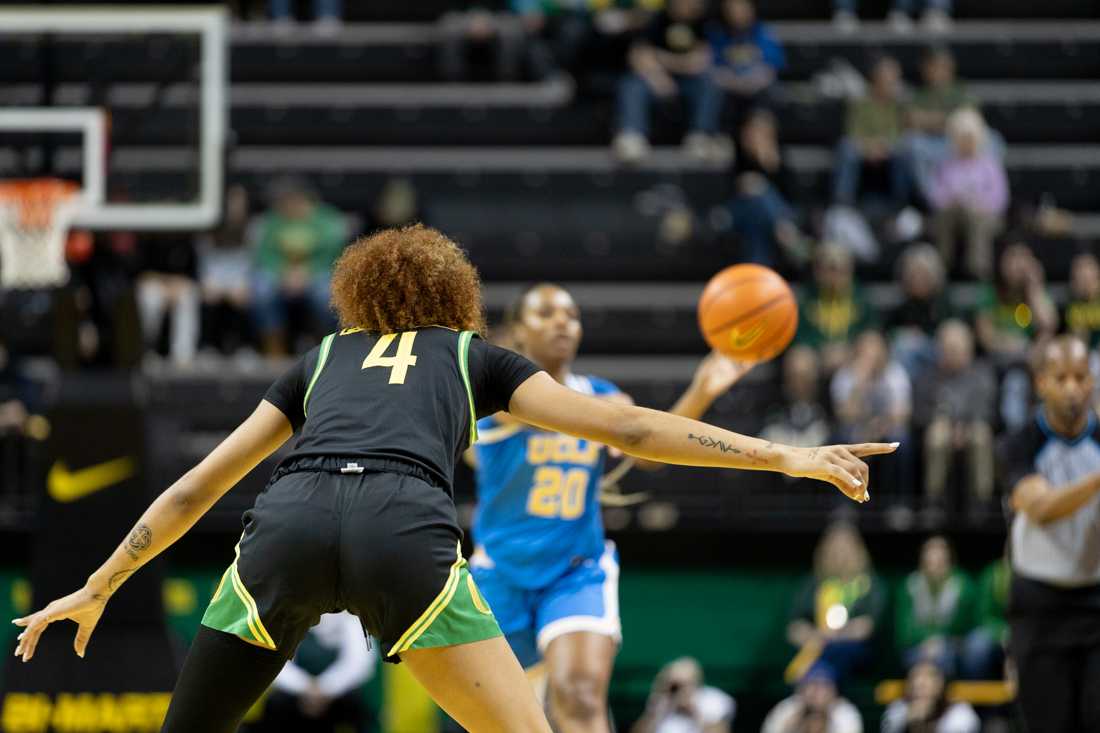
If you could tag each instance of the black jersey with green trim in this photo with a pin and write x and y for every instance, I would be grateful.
(411, 397)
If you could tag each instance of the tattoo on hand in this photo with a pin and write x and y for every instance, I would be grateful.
(708, 442)
(139, 540)
(116, 580)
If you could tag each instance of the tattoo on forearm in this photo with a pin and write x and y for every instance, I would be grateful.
(138, 541)
(116, 580)
(708, 442)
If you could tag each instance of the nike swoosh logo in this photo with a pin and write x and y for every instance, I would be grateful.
(740, 340)
(66, 486)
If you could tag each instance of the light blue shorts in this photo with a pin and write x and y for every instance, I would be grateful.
(584, 599)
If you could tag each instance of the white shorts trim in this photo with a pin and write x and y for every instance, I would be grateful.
(609, 624)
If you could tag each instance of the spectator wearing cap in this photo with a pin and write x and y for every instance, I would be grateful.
(816, 695)
(747, 57)
(299, 240)
(925, 706)
(969, 194)
(671, 58)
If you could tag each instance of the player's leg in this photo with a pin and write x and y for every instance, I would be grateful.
(579, 634)
(480, 685)
(578, 669)
(221, 679)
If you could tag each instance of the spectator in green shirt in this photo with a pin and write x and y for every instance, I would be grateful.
(1015, 308)
(873, 137)
(935, 608)
(832, 310)
(983, 651)
(1082, 313)
(298, 241)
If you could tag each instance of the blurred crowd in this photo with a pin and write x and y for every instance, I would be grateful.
(942, 628)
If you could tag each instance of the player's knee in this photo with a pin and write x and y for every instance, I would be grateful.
(579, 696)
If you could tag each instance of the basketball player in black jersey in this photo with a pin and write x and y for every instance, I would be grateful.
(359, 515)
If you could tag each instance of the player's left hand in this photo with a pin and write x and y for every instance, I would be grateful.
(84, 607)
(717, 373)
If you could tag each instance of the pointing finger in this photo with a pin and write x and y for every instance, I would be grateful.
(863, 450)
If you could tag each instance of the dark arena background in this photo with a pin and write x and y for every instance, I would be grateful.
(927, 178)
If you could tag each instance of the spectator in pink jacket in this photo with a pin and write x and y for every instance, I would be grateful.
(969, 195)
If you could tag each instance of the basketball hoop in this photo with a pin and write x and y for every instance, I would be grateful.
(34, 221)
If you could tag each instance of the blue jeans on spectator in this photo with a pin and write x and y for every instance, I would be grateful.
(905, 6)
(845, 656)
(281, 9)
(848, 170)
(271, 302)
(701, 95)
(754, 220)
(982, 656)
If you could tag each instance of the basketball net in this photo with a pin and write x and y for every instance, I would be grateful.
(34, 222)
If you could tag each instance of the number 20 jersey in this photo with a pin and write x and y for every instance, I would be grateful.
(538, 492)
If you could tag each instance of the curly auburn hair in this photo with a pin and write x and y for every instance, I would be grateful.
(402, 279)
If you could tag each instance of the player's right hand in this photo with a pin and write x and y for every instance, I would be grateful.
(839, 465)
(84, 607)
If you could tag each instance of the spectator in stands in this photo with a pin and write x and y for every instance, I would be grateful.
(679, 702)
(838, 608)
(800, 419)
(763, 216)
(397, 205)
(983, 651)
(299, 240)
(1082, 312)
(672, 57)
(167, 284)
(816, 695)
(969, 194)
(476, 42)
(935, 607)
(925, 708)
(1015, 307)
(912, 324)
(319, 689)
(873, 401)
(940, 95)
(832, 310)
(872, 140)
(937, 15)
(747, 57)
(956, 406)
(225, 272)
(326, 15)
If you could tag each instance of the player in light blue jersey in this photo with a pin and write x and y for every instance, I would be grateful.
(542, 561)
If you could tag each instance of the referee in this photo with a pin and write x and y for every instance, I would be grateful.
(1053, 467)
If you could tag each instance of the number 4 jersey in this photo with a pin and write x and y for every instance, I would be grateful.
(538, 497)
(377, 401)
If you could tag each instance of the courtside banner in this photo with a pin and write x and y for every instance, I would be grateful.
(92, 495)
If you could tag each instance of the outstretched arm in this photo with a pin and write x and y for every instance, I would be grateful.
(659, 436)
(1042, 504)
(166, 520)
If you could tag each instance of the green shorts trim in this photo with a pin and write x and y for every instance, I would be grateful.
(233, 609)
(458, 615)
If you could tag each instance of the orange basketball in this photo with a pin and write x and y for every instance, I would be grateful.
(748, 313)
